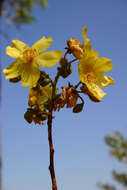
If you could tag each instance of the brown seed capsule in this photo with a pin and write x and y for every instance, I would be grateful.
(69, 97)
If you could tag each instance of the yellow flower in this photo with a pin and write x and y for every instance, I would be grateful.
(92, 68)
(29, 59)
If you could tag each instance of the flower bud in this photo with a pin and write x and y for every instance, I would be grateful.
(75, 47)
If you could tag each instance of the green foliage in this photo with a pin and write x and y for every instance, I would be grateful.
(121, 178)
(20, 11)
(106, 187)
(118, 148)
(43, 3)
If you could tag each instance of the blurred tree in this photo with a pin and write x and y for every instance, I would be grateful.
(15, 12)
(118, 148)
(19, 11)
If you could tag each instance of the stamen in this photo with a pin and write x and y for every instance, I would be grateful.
(29, 55)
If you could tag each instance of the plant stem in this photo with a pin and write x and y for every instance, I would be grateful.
(49, 123)
(51, 148)
(73, 60)
(77, 85)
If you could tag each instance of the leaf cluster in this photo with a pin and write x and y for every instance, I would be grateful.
(106, 186)
(118, 148)
(20, 11)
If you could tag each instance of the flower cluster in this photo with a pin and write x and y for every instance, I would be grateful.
(43, 95)
(91, 67)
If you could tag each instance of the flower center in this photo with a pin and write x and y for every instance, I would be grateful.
(29, 55)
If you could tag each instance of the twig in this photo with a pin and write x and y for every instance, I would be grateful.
(81, 99)
(77, 85)
(65, 54)
(73, 61)
(51, 148)
(49, 123)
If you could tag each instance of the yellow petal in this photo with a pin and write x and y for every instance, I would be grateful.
(95, 92)
(84, 33)
(87, 44)
(42, 44)
(92, 53)
(82, 77)
(21, 46)
(86, 64)
(30, 75)
(103, 65)
(105, 81)
(13, 70)
(49, 59)
(12, 52)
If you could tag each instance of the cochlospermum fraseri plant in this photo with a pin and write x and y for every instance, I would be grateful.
(44, 95)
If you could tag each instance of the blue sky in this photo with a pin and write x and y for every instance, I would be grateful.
(81, 156)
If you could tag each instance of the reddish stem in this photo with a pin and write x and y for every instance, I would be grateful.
(51, 148)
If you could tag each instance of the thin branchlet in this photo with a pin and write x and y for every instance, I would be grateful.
(49, 123)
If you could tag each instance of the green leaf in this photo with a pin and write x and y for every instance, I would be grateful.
(44, 3)
(28, 116)
(78, 108)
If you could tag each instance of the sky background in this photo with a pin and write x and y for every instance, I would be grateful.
(81, 157)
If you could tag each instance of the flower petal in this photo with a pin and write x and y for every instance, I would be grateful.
(105, 81)
(49, 59)
(81, 74)
(95, 92)
(86, 64)
(29, 75)
(12, 52)
(87, 44)
(13, 70)
(103, 65)
(42, 44)
(21, 46)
